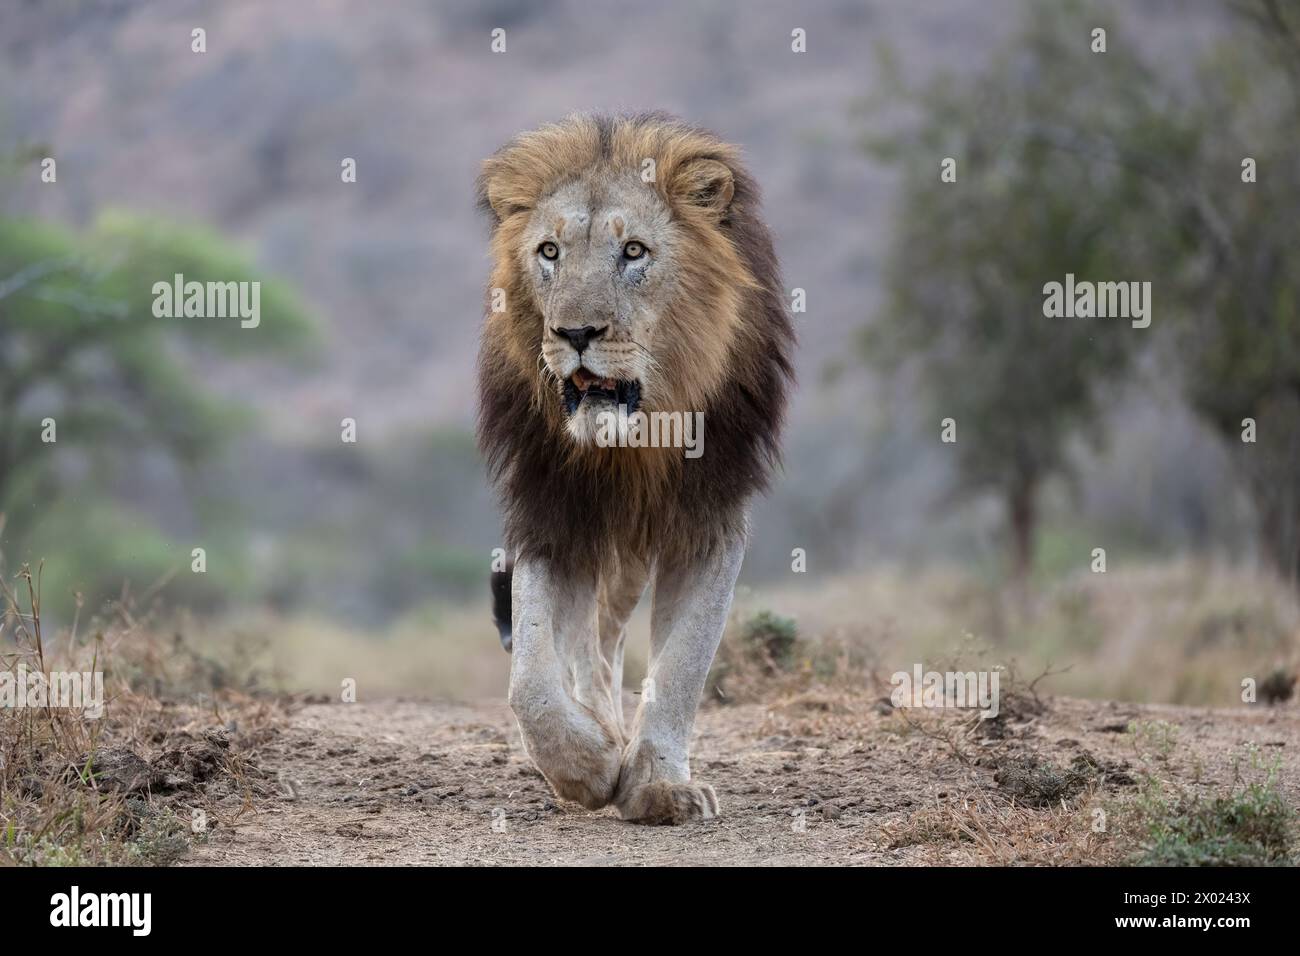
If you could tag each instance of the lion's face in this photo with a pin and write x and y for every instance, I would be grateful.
(600, 255)
(625, 289)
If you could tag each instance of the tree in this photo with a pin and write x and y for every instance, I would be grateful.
(1215, 211)
(81, 347)
(970, 259)
(1071, 162)
(1240, 289)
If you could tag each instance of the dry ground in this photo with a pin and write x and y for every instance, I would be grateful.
(810, 765)
(807, 780)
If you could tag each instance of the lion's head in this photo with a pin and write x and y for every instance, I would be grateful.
(630, 269)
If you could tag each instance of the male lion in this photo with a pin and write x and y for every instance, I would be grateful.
(631, 268)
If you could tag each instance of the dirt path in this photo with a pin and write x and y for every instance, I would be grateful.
(807, 781)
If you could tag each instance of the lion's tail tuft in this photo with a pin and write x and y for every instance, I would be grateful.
(501, 603)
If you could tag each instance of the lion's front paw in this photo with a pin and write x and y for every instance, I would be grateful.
(589, 781)
(580, 761)
(660, 802)
(577, 754)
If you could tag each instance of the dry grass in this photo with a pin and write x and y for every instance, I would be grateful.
(1174, 819)
(1182, 631)
(165, 763)
(1019, 794)
(1021, 806)
(445, 652)
(1005, 833)
(70, 791)
(1003, 799)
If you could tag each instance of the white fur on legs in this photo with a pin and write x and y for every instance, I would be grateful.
(575, 744)
(690, 610)
(620, 592)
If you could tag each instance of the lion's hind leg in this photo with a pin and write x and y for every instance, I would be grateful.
(622, 585)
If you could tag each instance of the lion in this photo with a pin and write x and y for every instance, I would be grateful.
(631, 273)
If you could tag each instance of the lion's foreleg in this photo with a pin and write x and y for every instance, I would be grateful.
(691, 602)
(554, 625)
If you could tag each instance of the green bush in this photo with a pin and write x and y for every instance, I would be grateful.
(771, 640)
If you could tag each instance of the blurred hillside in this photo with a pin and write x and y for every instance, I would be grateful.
(247, 139)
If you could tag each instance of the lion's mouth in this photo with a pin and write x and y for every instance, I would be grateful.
(585, 385)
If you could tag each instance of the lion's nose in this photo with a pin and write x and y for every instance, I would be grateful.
(580, 338)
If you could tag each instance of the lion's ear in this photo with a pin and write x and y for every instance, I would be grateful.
(706, 183)
(498, 190)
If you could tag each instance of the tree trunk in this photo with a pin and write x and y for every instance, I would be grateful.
(1023, 516)
(1279, 531)
(1272, 468)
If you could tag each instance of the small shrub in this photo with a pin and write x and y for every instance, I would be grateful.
(161, 837)
(1277, 687)
(1036, 782)
(771, 641)
(1252, 826)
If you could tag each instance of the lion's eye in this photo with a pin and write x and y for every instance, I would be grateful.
(633, 250)
(549, 250)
